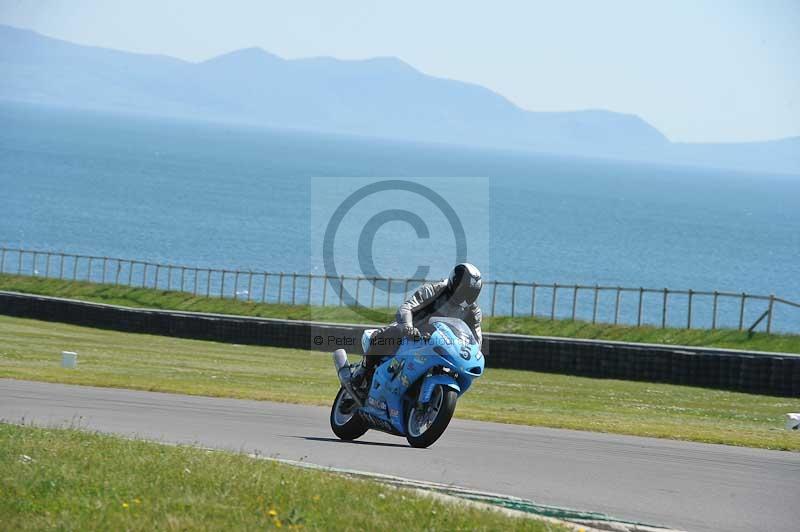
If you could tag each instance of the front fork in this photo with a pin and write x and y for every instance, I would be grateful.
(446, 378)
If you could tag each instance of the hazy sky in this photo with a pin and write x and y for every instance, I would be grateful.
(721, 70)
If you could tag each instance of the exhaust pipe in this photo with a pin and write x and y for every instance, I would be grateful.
(344, 373)
(339, 359)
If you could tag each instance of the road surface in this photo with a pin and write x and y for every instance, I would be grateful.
(690, 486)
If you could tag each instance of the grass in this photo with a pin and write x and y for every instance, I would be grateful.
(150, 298)
(30, 349)
(71, 480)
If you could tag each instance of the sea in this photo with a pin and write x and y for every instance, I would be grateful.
(228, 196)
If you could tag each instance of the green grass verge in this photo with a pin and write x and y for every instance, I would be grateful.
(30, 349)
(71, 480)
(147, 297)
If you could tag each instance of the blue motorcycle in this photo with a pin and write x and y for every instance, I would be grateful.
(414, 392)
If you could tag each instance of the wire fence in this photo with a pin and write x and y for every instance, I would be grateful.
(657, 307)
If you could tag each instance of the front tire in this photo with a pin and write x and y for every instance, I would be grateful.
(424, 428)
(345, 422)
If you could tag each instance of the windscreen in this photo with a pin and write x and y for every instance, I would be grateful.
(459, 328)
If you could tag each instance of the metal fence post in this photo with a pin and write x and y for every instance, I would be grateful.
(389, 292)
(33, 265)
(19, 262)
(308, 290)
(689, 311)
(594, 303)
(61, 266)
(553, 303)
(405, 289)
(574, 301)
(155, 281)
(47, 265)
(75, 267)
(664, 309)
(616, 306)
(89, 269)
(236, 284)
(533, 299)
(358, 289)
(194, 282)
(714, 311)
(372, 296)
(3, 261)
(494, 295)
(222, 285)
(294, 286)
(513, 296)
(183, 275)
(324, 288)
(105, 263)
(144, 274)
(639, 310)
(249, 285)
(741, 312)
(264, 288)
(280, 287)
(341, 289)
(208, 282)
(769, 316)
(116, 275)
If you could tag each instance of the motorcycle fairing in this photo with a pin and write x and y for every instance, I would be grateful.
(451, 356)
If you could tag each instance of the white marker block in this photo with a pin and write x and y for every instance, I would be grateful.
(69, 359)
(793, 422)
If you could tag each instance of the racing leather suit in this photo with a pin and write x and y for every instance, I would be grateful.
(430, 299)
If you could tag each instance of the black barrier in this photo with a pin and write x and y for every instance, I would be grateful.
(753, 372)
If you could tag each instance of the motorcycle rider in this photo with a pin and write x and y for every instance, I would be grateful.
(454, 297)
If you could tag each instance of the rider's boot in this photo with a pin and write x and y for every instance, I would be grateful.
(351, 376)
(358, 374)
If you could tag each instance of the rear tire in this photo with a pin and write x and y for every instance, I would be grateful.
(347, 425)
(439, 424)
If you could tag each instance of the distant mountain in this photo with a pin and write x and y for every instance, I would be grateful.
(380, 97)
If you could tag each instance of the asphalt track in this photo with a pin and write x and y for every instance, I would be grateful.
(684, 485)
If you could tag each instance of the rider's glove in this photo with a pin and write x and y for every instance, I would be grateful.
(412, 332)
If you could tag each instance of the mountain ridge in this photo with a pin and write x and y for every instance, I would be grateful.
(381, 97)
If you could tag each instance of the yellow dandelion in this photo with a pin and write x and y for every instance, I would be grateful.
(272, 513)
(278, 523)
(315, 497)
(137, 501)
(125, 505)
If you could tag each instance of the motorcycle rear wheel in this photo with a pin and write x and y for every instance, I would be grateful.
(346, 424)
(438, 413)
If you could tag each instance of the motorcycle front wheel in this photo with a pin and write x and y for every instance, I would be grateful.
(426, 425)
(346, 424)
